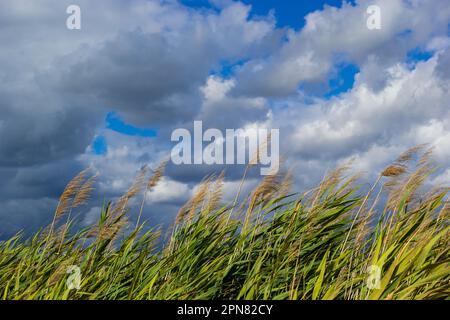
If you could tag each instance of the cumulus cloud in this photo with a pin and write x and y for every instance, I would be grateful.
(169, 191)
(373, 126)
(220, 110)
(334, 35)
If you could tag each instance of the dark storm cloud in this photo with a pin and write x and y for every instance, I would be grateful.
(144, 59)
(140, 75)
(28, 139)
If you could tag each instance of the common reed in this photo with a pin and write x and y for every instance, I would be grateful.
(315, 245)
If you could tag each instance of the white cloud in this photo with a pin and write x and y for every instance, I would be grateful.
(372, 126)
(169, 191)
(341, 35)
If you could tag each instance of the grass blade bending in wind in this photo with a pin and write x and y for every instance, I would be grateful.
(317, 245)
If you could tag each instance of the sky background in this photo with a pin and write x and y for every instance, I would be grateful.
(109, 95)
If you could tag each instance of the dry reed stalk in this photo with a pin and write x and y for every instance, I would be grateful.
(152, 182)
(405, 189)
(215, 194)
(158, 173)
(84, 192)
(398, 182)
(329, 180)
(410, 153)
(263, 192)
(366, 198)
(362, 231)
(393, 171)
(109, 230)
(135, 188)
(59, 272)
(189, 208)
(81, 197)
(286, 184)
(408, 187)
(181, 215)
(69, 193)
(257, 155)
(116, 220)
(444, 213)
(252, 162)
(198, 198)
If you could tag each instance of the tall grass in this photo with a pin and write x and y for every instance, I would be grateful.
(328, 243)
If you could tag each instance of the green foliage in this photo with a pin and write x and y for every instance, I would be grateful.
(319, 245)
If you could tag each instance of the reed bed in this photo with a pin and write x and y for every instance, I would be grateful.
(332, 242)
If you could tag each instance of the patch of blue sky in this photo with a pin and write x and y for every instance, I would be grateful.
(418, 54)
(198, 4)
(115, 123)
(288, 13)
(343, 81)
(226, 69)
(99, 145)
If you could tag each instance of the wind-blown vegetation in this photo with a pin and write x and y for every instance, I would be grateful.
(270, 245)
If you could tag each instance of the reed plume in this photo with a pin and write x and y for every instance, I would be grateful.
(69, 193)
(300, 248)
(152, 182)
(134, 190)
(215, 194)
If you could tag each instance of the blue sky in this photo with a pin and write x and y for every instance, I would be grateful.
(115, 123)
(288, 13)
